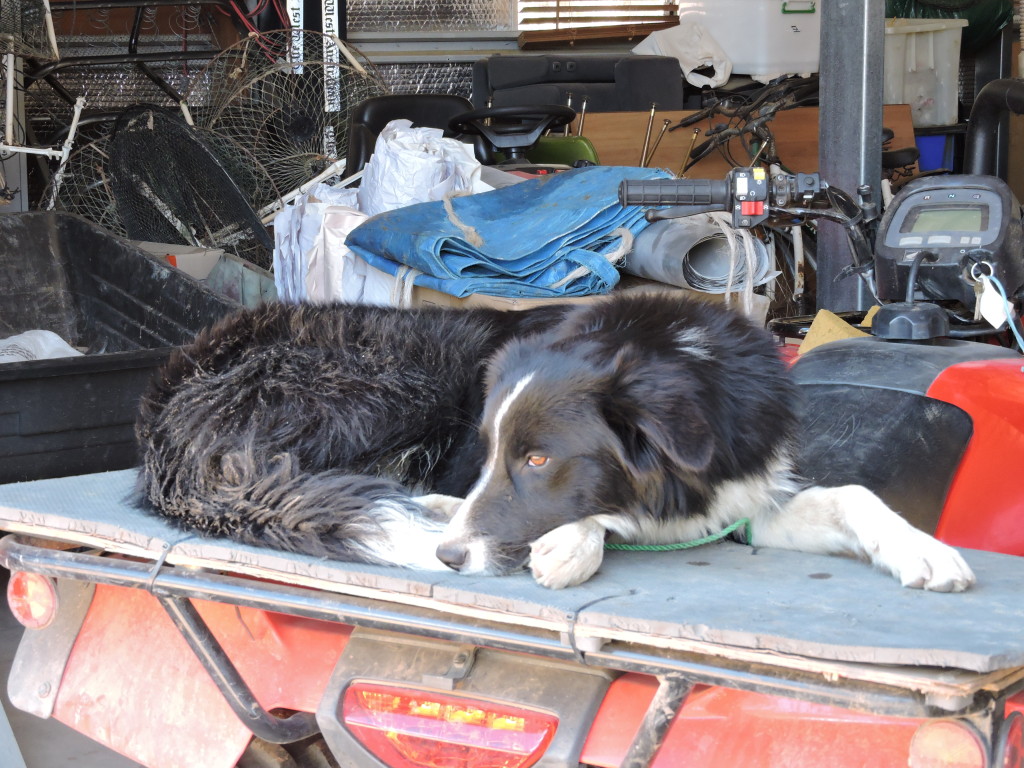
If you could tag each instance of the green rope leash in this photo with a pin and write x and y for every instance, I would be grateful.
(712, 537)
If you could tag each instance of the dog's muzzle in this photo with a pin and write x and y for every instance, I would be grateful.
(478, 555)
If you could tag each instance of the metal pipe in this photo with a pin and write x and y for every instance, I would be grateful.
(799, 262)
(162, 84)
(9, 106)
(133, 36)
(689, 150)
(88, 61)
(65, 153)
(668, 700)
(990, 104)
(133, 50)
(172, 582)
(51, 34)
(583, 116)
(850, 123)
(50, 152)
(276, 730)
(81, 5)
(657, 141)
(647, 136)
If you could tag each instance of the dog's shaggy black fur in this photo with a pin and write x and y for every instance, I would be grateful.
(283, 425)
(654, 418)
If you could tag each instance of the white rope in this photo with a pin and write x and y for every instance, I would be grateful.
(470, 233)
(722, 220)
(748, 283)
(734, 236)
(613, 257)
(401, 288)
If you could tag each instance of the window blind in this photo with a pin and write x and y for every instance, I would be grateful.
(545, 21)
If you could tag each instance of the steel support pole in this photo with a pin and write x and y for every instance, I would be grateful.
(850, 130)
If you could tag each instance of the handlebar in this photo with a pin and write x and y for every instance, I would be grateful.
(703, 192)
(744, 193)
(752, 198)
(749, 195)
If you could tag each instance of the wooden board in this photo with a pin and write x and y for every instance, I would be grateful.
(618, 138)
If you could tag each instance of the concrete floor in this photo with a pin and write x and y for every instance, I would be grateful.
(42, 743)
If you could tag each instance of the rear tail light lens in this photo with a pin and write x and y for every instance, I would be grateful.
(32, 598)
(947, 744)
(410, 728)
(1010, 743)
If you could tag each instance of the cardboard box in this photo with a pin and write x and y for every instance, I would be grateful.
(192, 260)
(427, 297)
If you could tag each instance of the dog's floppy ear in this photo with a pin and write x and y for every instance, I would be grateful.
(656, 418)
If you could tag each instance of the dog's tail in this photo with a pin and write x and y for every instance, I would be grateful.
(272, 502)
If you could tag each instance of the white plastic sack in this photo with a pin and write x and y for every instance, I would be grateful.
(296, 229)
(694, 47)
(35, 345)
(416, 165)
(338, 274)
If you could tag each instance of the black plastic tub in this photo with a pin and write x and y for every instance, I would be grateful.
(123, 308)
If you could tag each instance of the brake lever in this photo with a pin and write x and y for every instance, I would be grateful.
(680, 211)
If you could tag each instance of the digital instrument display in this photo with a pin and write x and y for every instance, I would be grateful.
(958, 219)
(947, 218)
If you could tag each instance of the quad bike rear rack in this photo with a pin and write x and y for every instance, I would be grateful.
(766, 621)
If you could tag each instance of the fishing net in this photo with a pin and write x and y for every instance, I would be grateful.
(287, 96)
(169, 186)
(23, 29)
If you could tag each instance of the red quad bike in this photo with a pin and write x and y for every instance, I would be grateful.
(182, 652)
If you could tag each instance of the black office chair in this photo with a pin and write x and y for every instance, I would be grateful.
(427, 110)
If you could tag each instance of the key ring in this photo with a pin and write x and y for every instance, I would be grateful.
(976, 276)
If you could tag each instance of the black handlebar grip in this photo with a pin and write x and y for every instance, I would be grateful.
(674, 192)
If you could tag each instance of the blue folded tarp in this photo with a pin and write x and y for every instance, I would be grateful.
(549, 236)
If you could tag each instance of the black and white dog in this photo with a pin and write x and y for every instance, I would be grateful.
(535, 435)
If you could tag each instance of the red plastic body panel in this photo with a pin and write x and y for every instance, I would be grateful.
(133, 684)
(724, 728)
(985, 504)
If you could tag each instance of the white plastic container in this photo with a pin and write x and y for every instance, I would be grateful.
(922, 68)
(762, 38)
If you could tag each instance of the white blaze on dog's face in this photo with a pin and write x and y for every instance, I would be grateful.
(559, 448)
(540, 472)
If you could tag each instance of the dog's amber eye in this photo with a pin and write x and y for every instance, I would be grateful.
(536, 461)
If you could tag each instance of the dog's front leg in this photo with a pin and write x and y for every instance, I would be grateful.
(568, 555)
(853, 520)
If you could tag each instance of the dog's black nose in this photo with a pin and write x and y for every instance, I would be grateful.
(452, 554)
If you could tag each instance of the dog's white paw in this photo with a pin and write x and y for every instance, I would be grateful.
(443, 506)
(920, 561)
(568, 555)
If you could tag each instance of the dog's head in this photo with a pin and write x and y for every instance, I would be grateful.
(574, 430)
